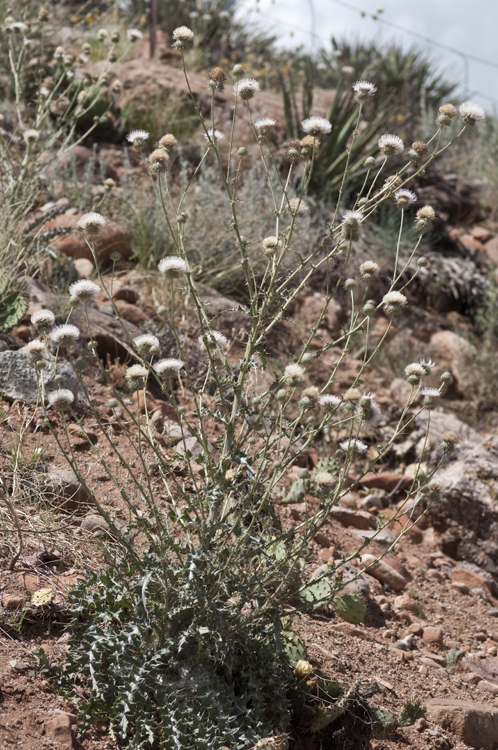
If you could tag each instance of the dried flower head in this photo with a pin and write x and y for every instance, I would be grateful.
(136, 375)
(295, 151)
(432, 490)
(329, 403)
(367, 408)
(369, 271)
(31, 135)
(270, 245)
(102, 35)
(430, 396)
(158, 160)
(303, 669)
(446, 114)
(311, 395)
(316, 126)
(394, 302)
(309, 142)
(168, 142)
(183, 37)
(138, 138)
(83, 290)
(450, 437)
(172, 266)
(391, 145)
(472, 113)
(43, 319)
(352, 224)
(134, 35)
(425, 218)
(415, 373)
(61, 400)
(353, 446)
(213, 340)
(59, 106)
(246, 88)
(168, 368)
(264, 124)
(35, 350)
(18, 26)
(238, 71)
(325, 479)
(404, 198)
(293, 374)
(216, 81)
(212, 136)
(363, 89)
(420, 147)
(91, 223)
(352, 395)
(146, 344)
(297, 207)
(65, 335)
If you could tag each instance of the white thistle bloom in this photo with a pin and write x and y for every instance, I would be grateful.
(136, 374)
(427, 365)
(472, 113)
(91, 223)
(404, 198)
(212, 136)
(83, 290)
(432, 392)
(213, 340)
(183, 37)
(65, 335)
(353, 219)
(293, 374)
(31, 135)
(325, 479)
(328, 402)
(297, 207)
(270, 245)
(17, 26)
(363, 89)
(35, 350)
(134, 35)
(43, 319)
(316, 126)
(265, 123)
(246, 88)
(394, 302)
(369, 271)
(138, 138)
(172, 267)
(415, 370)
(353, 446)
(391, 145)
(167, 368)
(60, 400)
(147, 343)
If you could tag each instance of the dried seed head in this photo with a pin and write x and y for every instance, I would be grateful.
(297, 207)
(213, 340)
(295, 151)
(216, 80)
(369, 271)
(172, 267)
(329, 403)
(84, 290)
(36, 350)
(448, 110)
(183, 37)
(432, 490)
(420, 147)
(168, 368)
(472, 113)
(146, 344)
(136, 375)
(363, 89)
(238, 71)
(316, 126)
(390, 145)
(370, 162)
(158, 160)
(270, 245)
(138, 138)
(404, 198)
(60, 400)
(352, 395)
(115, 36)
(102, 35)
(312, 393)
(451, 437)
(425, 218)
(325, 479)
(168, 142)
(368, 407)
(134, 35)
(293, 374)
(64, 335)
(415, 373)
(394, 302)
(91, 223)
(43, 319)
(392, 183)
(31, 135)
(246, 88)
(310, 142)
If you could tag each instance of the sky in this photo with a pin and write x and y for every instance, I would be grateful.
(469, 26)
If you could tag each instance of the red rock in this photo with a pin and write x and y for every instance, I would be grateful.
(359, 519)
(460, 355)
(84, 267)
(475, 723)
(407, 604)
(58, 728)
(470, 579)
(481, 234)
(491, 248)
(13, 601)
(112, 238)
(461, 587)
(386, 480)
(131, 313)
(433, 636)
(383, 572)
(328, 554)
(488, 687)
(471, 242)
(322, 539)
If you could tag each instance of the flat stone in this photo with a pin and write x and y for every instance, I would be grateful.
(58, 728)
(359, 519)
(475, 723)
(488, 687)
(433, 635)
(13, 601)
(384, 572)
(470, 579)
(430, 662)
(61, 487)
(18, 377)
(385, 480)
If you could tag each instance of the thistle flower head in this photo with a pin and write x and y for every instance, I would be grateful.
(415, 373)
(446, 114)
(35, 350)
(168, 142)
(325, 479)
(91, 223)
(136, 375)
(427, 365)
(158, 160)
(17, 26)
(213, 340)
(425, 217)
(420, 147)
(216, 81)
(369, 271)
(61, 399)
(246, 88)
(138, 138)
(264, 124)
(83, 290)
(168, 368)
(472, 113)
(310, 396)
(363, 89)
(390, 145)
(293, 374)
(329, 403)
(134, 35)
(270, 245)
(297, 207)
(183, 37)
(433, 490)
(394, 302)
(102, 34)
(172, 267)
(146, 344)
(316, 126)
(404, 198)
(430, 395)
(367, 408)
(212, 136)
(353, 219)
(303, 669)
(43, 319)
(64, 335)
(31, 135)
(353, 446)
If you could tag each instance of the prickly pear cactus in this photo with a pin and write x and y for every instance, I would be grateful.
(327, 464)
(294, 647)
(12, 307)
(384, 722)
(298, 491)
(350, 608)
(324, 716)
(279, 742)
(317, 594)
